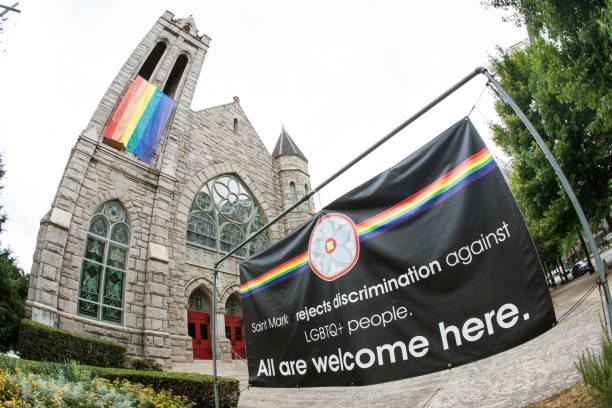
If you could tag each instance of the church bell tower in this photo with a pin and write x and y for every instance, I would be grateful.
(121, 175)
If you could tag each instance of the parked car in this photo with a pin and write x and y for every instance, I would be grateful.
(567, 275)
(581, 267)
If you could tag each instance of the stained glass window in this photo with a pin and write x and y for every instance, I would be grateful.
(231, 236)
(104, 264)
(223, 214)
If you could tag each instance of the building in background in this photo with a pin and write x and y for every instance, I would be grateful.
(152, 195)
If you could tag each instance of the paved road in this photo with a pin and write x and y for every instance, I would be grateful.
(514, 378)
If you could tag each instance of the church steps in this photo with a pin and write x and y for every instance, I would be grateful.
(233, 369)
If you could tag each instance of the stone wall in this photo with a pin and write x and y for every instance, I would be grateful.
(292, 169)
(210, 148)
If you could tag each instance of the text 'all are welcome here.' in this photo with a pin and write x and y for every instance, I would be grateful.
(473, 329)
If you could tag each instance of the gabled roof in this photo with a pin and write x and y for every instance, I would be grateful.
(285, 146)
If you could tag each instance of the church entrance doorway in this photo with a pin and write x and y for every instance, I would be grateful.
(198, 324)
(234, 330)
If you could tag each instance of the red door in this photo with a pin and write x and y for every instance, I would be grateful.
(235, 333)
(198, 327)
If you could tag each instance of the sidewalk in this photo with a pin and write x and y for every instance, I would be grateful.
(605, 256)
(525, 374)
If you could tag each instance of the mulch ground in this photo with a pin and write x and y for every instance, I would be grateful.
(575, 396)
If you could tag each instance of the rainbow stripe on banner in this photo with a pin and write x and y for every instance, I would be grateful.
(276, 275)
(470, 170)
(139, 120)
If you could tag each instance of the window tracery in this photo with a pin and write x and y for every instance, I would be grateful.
(223, 214)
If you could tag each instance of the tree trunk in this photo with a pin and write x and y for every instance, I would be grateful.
(584, 248)
(608, 222)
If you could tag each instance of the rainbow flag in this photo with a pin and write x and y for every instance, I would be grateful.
(139, 120)
(470, 170)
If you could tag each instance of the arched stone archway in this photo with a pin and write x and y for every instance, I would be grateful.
(199, 301)
(234, 325)
(199, 306)
(233, 305)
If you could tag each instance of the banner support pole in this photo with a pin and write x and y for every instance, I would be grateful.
(564, 182)
(213, 327)
(331, 178)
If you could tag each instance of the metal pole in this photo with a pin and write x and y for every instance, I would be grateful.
(564, 182)
(213, 327)
(395, 131)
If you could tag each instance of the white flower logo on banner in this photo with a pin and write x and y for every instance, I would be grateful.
(334, 246)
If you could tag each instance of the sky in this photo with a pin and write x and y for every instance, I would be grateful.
(339, 75)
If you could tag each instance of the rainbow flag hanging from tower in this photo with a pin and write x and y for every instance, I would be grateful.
(139, 120)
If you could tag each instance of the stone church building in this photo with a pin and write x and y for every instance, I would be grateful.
(126, 251)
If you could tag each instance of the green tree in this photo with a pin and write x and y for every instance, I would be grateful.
(13, 291)
(562, 82)
(583, 153)
(580, 33)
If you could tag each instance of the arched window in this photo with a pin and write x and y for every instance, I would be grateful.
(175, 75)
(235, 124)
(149, 66)
(104, 264)
(223, 214)
(233, 306)
(292, 191)
(305, 189)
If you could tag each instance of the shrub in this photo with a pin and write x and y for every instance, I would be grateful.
(44, 343)
(596, 370)
(144, 364)
(21, 388)
(198, 388)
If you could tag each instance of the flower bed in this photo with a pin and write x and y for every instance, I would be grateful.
(26, 383)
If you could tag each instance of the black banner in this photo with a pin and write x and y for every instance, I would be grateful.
(427, 266)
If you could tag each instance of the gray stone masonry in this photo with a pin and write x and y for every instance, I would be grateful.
(292, 169)
(162, 268)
